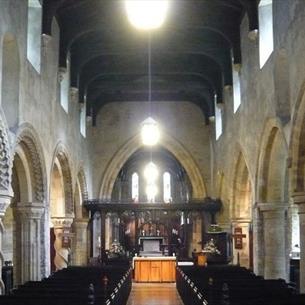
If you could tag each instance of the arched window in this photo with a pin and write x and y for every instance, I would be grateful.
(135, 187)
(218, 119)
(236, 87)
(34, 33)
(265, 19)
(167, 194)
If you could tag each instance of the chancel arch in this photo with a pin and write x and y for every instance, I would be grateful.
(61, 210)
(168, 142)
(125, 230)
(272, 203)
(241, 213)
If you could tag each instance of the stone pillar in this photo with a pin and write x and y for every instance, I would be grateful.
(299, 200)
(29, 217)
(274, 227)
(5, 200)
(258, 241)
(61, 259)
(80, 255)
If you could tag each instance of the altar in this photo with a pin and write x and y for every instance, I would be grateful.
(151, 245)
(155, 269)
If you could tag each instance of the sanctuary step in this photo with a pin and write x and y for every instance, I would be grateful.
(109, 285)
(232, 285)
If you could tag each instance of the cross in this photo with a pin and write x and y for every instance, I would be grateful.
(238, 237)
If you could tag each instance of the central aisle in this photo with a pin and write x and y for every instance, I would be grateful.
(154, 294)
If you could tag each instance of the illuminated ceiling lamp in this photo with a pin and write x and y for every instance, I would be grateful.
(146, 14)
(150, 132)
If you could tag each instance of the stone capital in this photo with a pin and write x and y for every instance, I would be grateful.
(5, 200)
(74, 94)
(30, 210)
(61, 73)
(298, 199)
(252, 35)
(272, 206)
(62, 222)
(46, 40)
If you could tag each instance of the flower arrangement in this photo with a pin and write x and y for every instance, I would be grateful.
(116, 249)
(210, 247)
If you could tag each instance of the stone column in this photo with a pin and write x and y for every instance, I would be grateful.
(29, 217)
(274, 227)
(299, 200)
(5, 200)
(80, 255)
(61, 259)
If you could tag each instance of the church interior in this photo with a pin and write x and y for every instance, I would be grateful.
(149, 142)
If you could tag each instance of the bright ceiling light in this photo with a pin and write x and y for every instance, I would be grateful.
(151, 172)
(150, 132)
(146, 14)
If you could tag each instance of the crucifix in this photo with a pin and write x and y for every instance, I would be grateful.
(238, 237)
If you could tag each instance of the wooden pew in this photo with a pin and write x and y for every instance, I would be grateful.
(76, 285)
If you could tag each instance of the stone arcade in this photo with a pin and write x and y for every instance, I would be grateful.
(225, 82)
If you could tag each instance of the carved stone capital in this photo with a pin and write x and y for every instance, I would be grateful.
(237, 67)
(30, 210)
(46, 40)
(253, 35)
(61, 73)
(74, 94)
(5, 200)
(61, 222)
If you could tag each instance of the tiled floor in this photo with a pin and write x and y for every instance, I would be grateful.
(154, 294)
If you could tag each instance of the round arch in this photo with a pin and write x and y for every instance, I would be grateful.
(271, 172)
(61, 163)
(169, 143)
(297, 145)
(28, 144)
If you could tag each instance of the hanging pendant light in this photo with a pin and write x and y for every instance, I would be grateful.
(150, 132)
(146, 14)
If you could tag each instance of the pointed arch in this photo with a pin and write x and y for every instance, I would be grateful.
(242, 190)
(168, 142)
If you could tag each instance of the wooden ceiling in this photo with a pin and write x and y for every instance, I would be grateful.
(191, 55)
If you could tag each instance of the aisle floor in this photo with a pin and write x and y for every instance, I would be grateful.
(154, 294)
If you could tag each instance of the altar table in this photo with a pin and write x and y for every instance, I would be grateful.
(155, 269)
